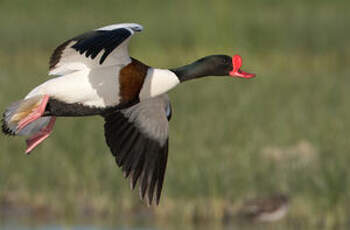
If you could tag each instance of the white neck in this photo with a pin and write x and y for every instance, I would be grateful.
(157, 82)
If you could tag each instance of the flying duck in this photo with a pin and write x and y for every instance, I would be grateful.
(96, 76)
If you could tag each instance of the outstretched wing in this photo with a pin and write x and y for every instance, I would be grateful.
(138, 139)
(102, 47)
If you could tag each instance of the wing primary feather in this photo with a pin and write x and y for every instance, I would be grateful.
(144, 181)
(124, 134)
(124, 34)
(127, 152)
(93, 50)
(109, 45)
(133, 157)
(162, 168)
(138, 168)
(112, 133)
(153, 178)
(94, 42)
(99, 43)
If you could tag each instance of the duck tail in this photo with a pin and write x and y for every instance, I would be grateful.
(19, 110)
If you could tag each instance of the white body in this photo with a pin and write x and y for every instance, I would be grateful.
(100, 87)
(95, 87)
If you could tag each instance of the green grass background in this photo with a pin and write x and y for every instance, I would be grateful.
(286, 130)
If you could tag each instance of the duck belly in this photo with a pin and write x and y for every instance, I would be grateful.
(96, 88)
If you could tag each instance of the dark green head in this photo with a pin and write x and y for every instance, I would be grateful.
(213, 65)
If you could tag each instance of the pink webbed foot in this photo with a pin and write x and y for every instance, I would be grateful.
(39, 137)
(34, 115)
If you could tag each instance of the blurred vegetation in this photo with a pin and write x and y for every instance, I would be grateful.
(285, 131)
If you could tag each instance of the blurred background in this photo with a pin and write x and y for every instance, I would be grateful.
(231, 140)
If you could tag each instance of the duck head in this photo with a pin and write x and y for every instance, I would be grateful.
(213, 65)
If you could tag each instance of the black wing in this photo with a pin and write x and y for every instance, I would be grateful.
(91, 49)
(94, 42)
(138, 139)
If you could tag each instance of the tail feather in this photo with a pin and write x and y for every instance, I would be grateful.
(5, 128)
(19, 110)
(9, 127)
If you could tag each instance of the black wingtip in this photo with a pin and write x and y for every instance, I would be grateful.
(141, 157)
(142, 160)
(93, 42)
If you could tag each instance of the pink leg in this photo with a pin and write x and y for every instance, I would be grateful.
(39, 137)
(36, 114)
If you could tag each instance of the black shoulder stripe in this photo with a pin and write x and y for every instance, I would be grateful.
(92, 43)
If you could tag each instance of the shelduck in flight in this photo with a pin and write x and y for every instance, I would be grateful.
(96, 76)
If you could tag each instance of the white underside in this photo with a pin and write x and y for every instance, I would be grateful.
(97, 87)
(100, 87)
